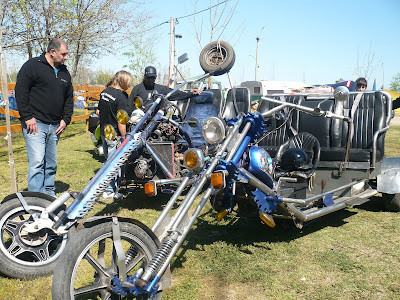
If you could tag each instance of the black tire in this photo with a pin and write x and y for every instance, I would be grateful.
(23, 255)
(217, 58)
(75, 273)
(391, 202)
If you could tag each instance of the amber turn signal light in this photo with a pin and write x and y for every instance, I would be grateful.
(221, 214)
(218, 180)
(150, 188)
(267, 219)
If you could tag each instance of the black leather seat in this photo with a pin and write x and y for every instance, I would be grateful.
(219, 100)
(237, 101)
(369, 118)
(280, 132)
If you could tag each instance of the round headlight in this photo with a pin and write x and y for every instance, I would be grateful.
(193, 159)
(213, 130)
(109, 132)
(136, 116)
(138, 102)
(122, 116)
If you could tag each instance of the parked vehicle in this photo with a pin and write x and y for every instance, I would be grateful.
(298, 183)
(36, 227)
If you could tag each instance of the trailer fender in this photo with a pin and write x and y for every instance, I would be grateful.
(388, 181)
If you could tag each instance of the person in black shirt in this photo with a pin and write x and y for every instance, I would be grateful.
(112, 99)
(148, 85)
(44, 95)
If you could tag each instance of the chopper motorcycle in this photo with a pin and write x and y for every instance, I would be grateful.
(292, 185)
(36, 227)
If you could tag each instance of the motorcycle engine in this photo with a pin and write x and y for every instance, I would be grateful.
(143, 168)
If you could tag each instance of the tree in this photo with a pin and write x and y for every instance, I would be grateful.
(365, 66)
(90, 27)
(220, 14)
(102, 77)
(395, 83)
(139, 57)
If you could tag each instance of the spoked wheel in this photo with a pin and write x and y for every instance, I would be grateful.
(23, 254)
(217, 57)
(88, 265)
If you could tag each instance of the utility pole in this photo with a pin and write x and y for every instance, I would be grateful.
(171, 75)
(4, 91)
(257, 39)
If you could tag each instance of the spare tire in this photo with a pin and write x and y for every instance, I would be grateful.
(217, 58)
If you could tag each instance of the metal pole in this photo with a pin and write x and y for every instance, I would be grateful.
(4, 91)
(171, 77)
(257, 39)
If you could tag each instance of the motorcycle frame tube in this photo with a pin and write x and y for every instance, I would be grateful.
(182, 237)
(254, 181)
(195, 190)
(159, 161)
(184, 82)
(145, 117)
(170, 203)
(85, 196)
(312, 198)
(238, 144)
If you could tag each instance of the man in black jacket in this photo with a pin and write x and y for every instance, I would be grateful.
(44, 95)
(148, 85)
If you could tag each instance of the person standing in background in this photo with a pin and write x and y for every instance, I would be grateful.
(44, 95)
(361, 84)
(112, 99)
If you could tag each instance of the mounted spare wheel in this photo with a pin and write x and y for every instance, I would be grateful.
(217, 58)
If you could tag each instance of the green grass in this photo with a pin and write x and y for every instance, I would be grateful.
(351, 254)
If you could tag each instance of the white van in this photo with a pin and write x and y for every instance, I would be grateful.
(268, 87)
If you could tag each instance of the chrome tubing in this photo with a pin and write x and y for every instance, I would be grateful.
(170, 203)
(313, 111)
(183, 209)
(308, 200)
(254, 181)
(185, 232)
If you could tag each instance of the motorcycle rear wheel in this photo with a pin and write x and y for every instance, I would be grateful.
(217, 58)
(27, 255)
(86, 268)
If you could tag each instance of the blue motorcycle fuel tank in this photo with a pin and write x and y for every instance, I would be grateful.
(261, 165)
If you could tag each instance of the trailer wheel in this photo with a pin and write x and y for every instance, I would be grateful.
(391, 202)
(217, 58)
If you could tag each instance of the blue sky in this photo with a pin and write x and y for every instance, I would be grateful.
(314, 42)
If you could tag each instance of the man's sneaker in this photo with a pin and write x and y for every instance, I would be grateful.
(118, 196)
(108, 195)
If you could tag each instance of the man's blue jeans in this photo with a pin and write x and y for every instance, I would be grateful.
(41, 149)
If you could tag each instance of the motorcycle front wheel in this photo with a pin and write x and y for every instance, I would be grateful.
(28, 255)
(87, 266)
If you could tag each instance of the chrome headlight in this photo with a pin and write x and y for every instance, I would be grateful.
(193, 159)
(136, 116)
(214, 130)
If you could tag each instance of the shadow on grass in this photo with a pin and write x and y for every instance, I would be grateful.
(61, 186)
(135, 200)
(245, 231)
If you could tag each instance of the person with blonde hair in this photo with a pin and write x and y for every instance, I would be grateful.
(112, 99)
